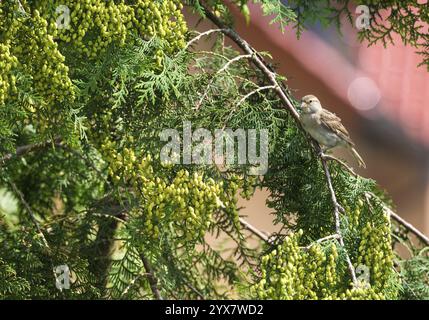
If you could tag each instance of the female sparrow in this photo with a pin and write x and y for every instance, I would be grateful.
(325, 127)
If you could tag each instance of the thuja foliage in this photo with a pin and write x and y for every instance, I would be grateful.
(81, 112)
(405, 19)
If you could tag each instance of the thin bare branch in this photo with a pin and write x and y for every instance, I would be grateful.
(237, 58)
(67, 148)
(23, 150)
(37, 225)
(254, 92)
(201, 35)
(261, 235)
(231, 113)
(420, 235)
(256, 58)
(133, 282)
(193, 289)
(337, 209)
(153, 281)
(332, 236)
(348, 168)
(408, 226)
(223, 69)
(31, 213)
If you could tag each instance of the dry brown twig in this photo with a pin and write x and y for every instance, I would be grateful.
(31, 213)
(408, 226)
(22, 150)
(261, 235)
(347, 167)
(153, 281)
(332, 236)
(223, 69)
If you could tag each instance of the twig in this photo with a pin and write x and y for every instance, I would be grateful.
(408, 226)
(254, 92)
(203, 34)
(254, 230)
(332, 236)
(36, 223)
(31, 213)
(65, 147)
(231, 113)
(261, 235)
(193, 289)
(132, 283)
(237, 58)
(21, 8)
(329, 157)
(420, 235)
(22, 150)
(109, 216)
(256, 59)
(223, 69)
(57, 142)
(153, 282)
(337, 209)
(287, 103)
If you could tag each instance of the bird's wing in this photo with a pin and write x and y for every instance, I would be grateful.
(333, 123)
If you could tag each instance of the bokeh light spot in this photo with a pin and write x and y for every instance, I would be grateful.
(363, 93)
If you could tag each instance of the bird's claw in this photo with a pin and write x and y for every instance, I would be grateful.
(322, 154)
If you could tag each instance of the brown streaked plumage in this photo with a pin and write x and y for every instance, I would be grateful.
(333, 122)
(326, 127)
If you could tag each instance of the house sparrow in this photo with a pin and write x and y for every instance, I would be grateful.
(325, 127)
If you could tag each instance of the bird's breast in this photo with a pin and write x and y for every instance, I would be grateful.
(312, 124)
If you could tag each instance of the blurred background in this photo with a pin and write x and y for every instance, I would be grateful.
(380, 93)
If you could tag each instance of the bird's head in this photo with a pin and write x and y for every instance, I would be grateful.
(310, 104)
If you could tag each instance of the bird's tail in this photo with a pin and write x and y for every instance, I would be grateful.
(358, 158)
